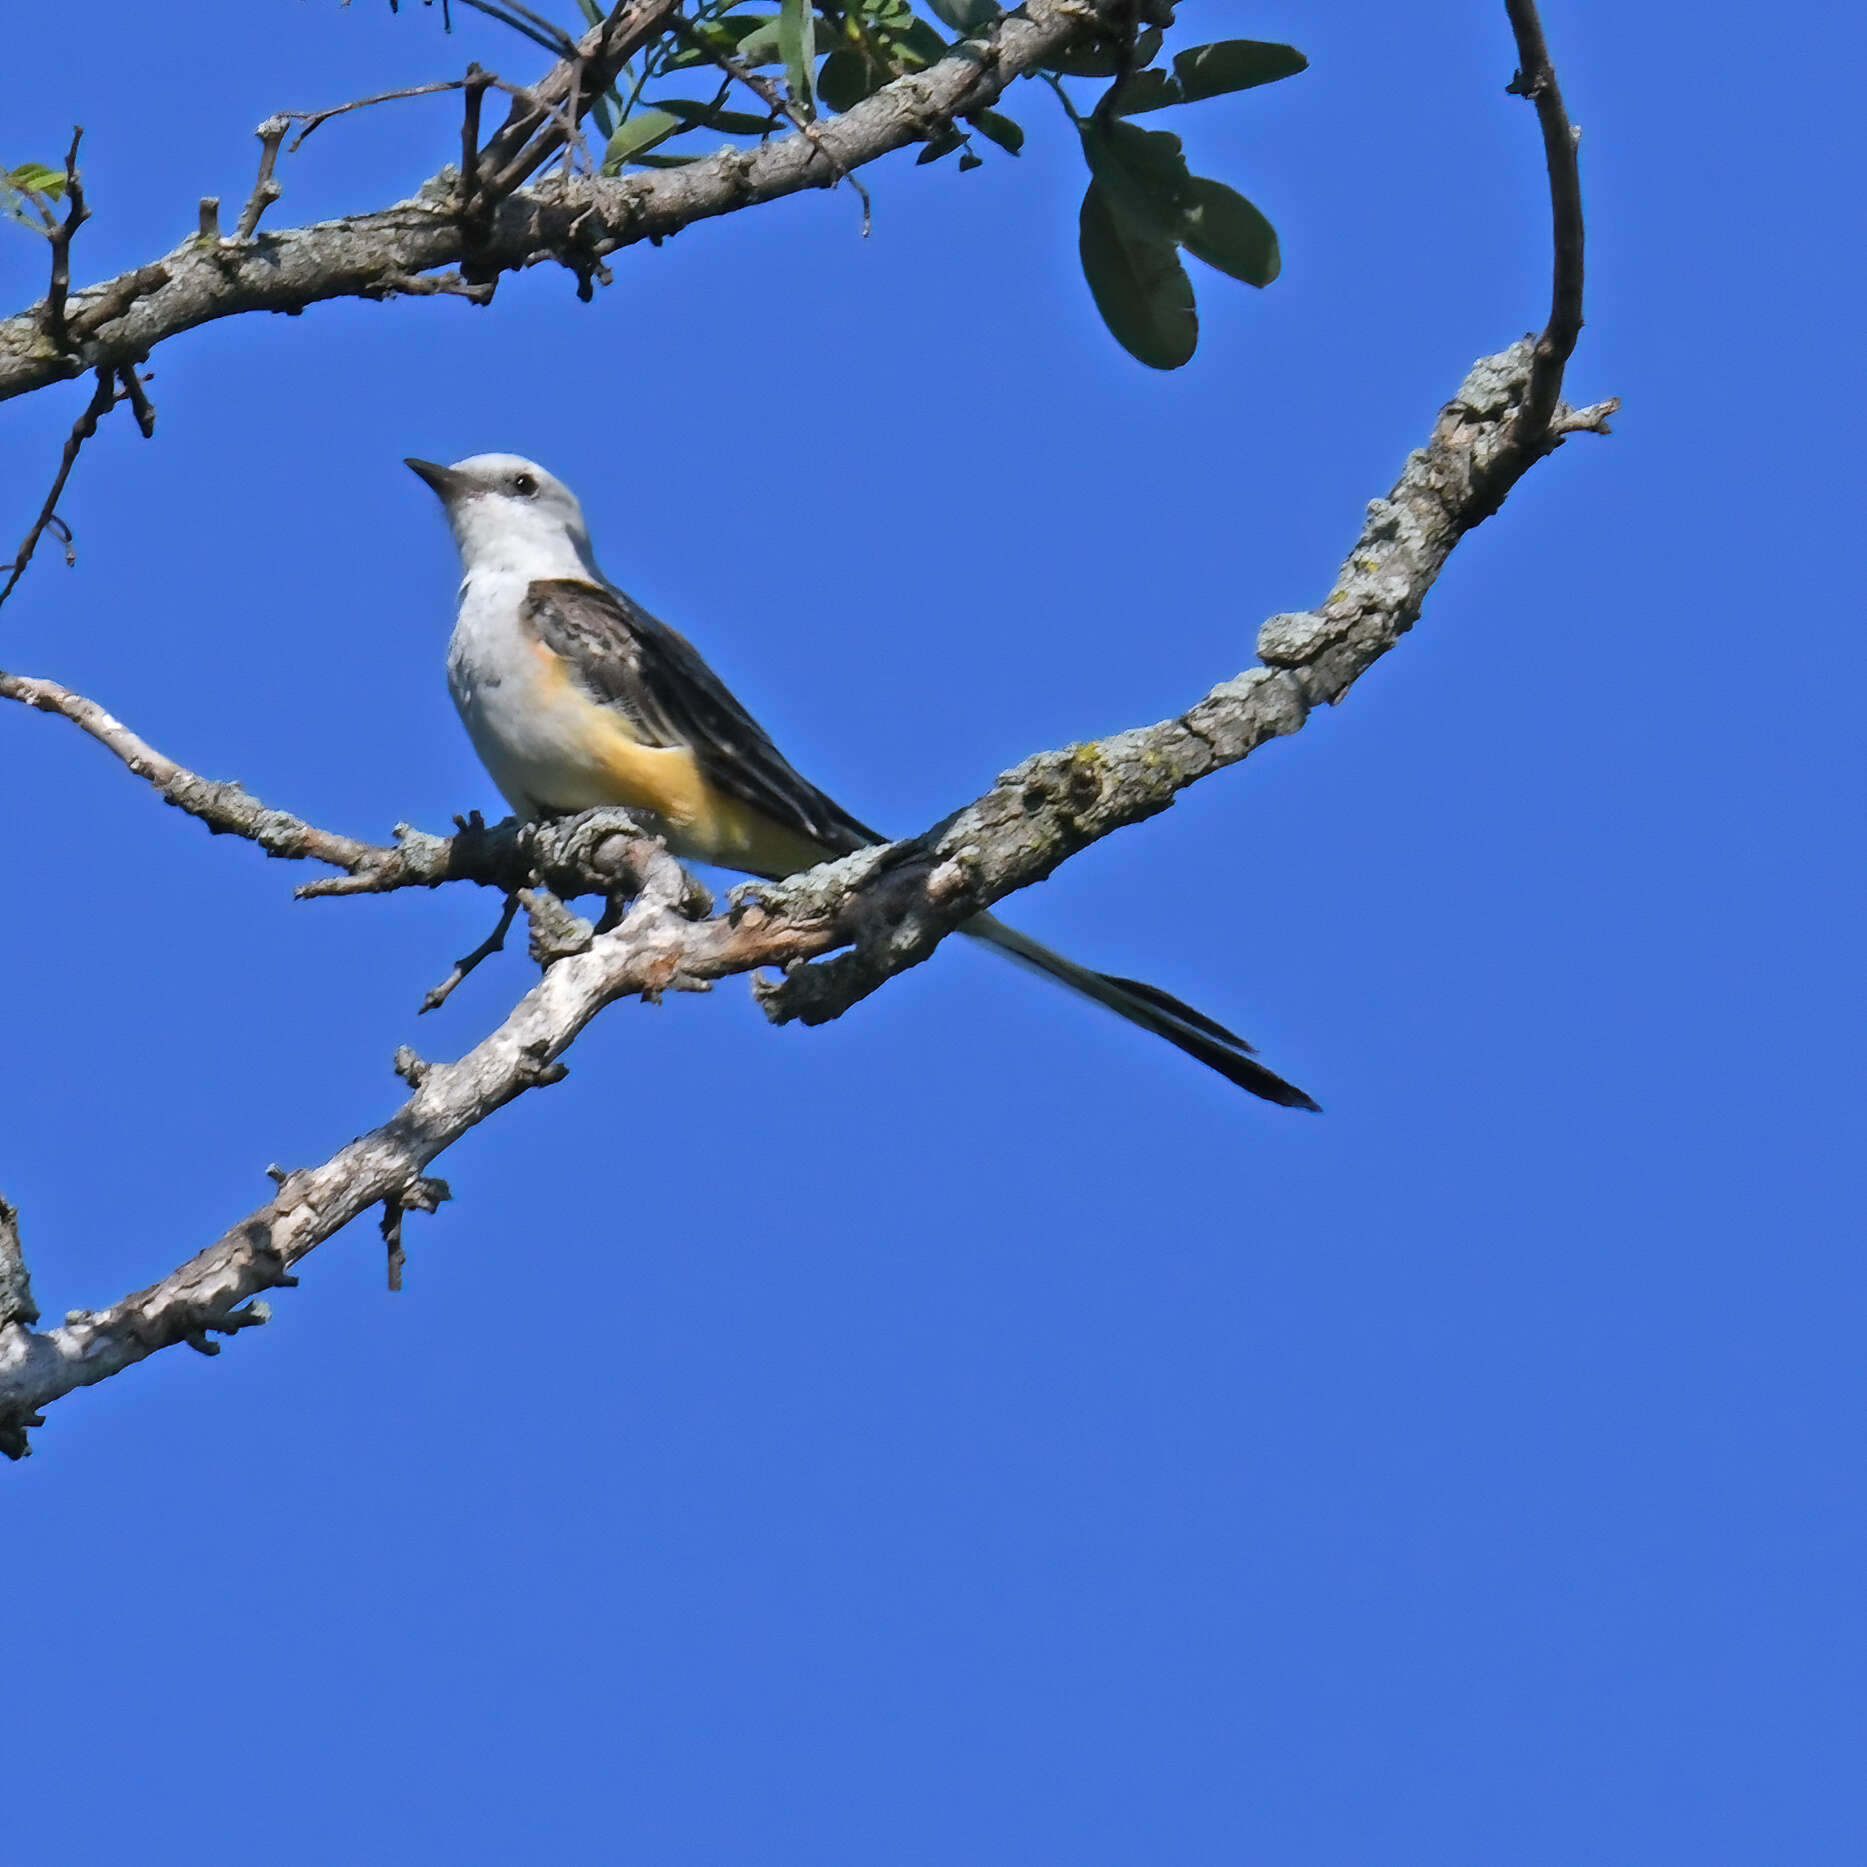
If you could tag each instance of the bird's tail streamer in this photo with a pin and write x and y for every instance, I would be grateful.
(1149, 1007)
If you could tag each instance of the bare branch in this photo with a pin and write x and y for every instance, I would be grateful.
(575, 220)
(529, 137)
(224, 808)
(76, 214)
(16, 1304)
(894, 902)
(311, 119)
(271, 134)
(100, 404)
(1536, 79)
(890, 906)
(495, 942)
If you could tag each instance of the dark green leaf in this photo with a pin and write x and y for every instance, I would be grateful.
(797, 38)
(967, 160)
(1234, 65)
(642, 131)
(942, 145)
(1146, 90)
(1140, 287)
(1142, 172)
(762, 44)
(1101, 58)
(846, 77)
(695, 115)
(1227, 232)
(966, 16)
(592, 13)
(660, 159)
(917, 45)
(1009, 136)
(605, 123)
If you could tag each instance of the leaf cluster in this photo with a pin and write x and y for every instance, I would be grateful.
(27, 192)
(1143, 207)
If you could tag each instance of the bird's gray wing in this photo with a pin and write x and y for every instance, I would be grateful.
(651, 674)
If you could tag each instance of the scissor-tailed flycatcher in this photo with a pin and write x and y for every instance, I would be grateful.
(574, 697)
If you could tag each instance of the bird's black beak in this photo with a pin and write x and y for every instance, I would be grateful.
(448, 484)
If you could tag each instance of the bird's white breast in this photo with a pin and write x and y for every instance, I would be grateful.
(528, 725)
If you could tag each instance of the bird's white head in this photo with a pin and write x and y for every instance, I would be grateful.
(508, 514)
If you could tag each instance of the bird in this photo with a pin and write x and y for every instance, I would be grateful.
(575, 697)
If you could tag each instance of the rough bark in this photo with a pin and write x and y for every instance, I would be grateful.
(878, 911)
(575, 220)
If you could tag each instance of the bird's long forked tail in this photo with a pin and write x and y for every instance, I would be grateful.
(1152, 1009)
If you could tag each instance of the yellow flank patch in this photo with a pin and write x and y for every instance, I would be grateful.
(701, 821)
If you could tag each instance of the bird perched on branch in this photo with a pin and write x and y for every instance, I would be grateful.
(574, 697)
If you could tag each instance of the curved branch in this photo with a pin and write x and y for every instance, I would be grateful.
(890, 906)
(225, 808)
(1536, 79)
(575, 220)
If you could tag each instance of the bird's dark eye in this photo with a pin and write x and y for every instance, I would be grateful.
(524, 485)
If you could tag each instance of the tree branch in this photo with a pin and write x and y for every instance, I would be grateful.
(574, 220)
(889, 906)
(1535, 79)
(102, 401)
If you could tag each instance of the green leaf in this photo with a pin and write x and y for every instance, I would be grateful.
(1139, 285)
(763, 43)
(1009, 136)
(846, 77)
(37, 178)
(797, 39)
(1146, 90)
(642, 132)
(657, 159)
(966, 17)
(1234, 65)
(1227, 232)
(1101, 58)
(1141, 172)
(942, 145)
(695, 115)
(605, 123)
(592, 13)
(917, 45)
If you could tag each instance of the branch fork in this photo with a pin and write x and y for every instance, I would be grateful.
(837, 931)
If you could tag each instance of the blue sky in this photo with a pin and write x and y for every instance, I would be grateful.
(970, 1431)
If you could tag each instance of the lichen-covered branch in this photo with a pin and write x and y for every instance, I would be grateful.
(894, 903)
(837, 931)
(574, 220)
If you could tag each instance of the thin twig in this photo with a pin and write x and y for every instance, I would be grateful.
(524, 143)
(76, 214)
(271, 134)
(138, 398)
(474, 84)
(533, 26)
(495, 942)
(100, 404)
(224, 808)
(779, 105)
(1536, 80)
(392, 1238)
(311, 119)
